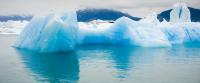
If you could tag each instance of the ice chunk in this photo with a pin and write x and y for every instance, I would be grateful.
(180, 13)
(51, 33)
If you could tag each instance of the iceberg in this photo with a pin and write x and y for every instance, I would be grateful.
(180, 29)
(50, 33)
(180, 13)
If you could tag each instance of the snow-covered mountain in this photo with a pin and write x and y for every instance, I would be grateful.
(90, 14)
(4, 18)
(83, 15)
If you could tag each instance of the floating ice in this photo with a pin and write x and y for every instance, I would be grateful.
(51, 33)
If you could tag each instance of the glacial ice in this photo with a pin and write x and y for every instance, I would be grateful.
(60, 31)
(51, 33)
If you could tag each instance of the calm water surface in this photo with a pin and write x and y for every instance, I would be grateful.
(100, 64)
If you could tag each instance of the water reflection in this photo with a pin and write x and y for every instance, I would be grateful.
(101, 64)
(121, 59)
(52, 67)
(117, 57)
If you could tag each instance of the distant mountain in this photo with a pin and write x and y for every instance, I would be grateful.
(86, 15)
(83, 15)
(15, 17)
(195, 14)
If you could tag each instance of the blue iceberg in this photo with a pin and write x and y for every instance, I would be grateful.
(50, 33)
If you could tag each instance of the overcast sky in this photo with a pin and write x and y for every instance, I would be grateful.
(133, 7)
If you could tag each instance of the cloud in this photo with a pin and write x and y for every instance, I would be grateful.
(134, 7)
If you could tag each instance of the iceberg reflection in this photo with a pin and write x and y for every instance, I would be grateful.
(52, 67)
(113, 64)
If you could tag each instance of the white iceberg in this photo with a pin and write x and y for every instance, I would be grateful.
(50, 33)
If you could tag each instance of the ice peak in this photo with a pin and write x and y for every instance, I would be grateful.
(180, 13)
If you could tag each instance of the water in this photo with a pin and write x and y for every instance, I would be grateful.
(100, 64)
